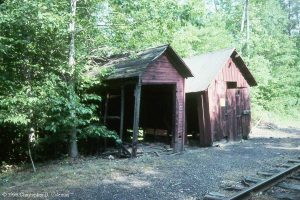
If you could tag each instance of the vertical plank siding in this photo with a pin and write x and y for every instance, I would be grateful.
(163, 72)
(230, 121)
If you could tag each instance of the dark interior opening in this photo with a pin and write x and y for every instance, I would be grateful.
(114, 110)
(192, 117)
(157, 112)
(231, 85)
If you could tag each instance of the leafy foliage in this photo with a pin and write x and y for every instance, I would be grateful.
(35, 87)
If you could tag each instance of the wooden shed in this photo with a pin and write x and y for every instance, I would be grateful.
(145, 94)
(218, 97)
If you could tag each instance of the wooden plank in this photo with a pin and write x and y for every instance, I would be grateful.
(122, 111)
(283, 165)
(114, 96)
(289, 186)
(247, 125)
(234, 125)
(184, 137)
(285, 196)
(112, 117)
(106, 108)
(265, 173)
(238, 114)
(136, 117)
(295, 177)
(201, 119)
(210, 107)
(293, 161)
(214, 196)
(233, 188)
(174, 118)
(125, 150)
(208, 132)
(180, 115)
(252, 179)
(105, 117)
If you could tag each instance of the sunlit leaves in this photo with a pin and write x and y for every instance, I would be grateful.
(35, 85)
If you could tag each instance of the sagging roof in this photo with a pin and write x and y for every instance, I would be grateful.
(206, 67)
(130, 66)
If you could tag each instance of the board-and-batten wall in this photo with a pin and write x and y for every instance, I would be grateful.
(162, 71)
(229, 121)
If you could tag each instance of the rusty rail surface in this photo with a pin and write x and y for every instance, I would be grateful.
(266, 184)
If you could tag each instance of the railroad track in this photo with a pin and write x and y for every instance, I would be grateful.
(280, 183)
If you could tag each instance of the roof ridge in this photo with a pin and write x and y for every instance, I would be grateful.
(213, 52)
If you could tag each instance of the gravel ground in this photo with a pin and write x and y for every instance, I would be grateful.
(199, 170)
(190, 175)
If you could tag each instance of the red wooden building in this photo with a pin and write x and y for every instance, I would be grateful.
(146, 91)
(217, 97)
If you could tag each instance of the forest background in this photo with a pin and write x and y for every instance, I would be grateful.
(42, 94)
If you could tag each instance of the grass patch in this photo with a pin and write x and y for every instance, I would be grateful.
(63, 174)
(280, 119)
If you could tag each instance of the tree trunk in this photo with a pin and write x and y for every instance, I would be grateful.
(215, 5)
(73, 151)
(73, 133)
(243, 19)
(29, 150)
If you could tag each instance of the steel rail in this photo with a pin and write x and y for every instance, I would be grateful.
(266, 184)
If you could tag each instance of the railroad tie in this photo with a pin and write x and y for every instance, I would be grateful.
(289, 186)
(252, 179)
(293, 161)
(295, 177)
(214, 196)
(265, 173)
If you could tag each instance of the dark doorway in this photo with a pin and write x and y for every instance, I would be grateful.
(157, 112)
(192, 121)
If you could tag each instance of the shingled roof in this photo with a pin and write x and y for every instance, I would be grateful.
(205, 68)
(130, 66)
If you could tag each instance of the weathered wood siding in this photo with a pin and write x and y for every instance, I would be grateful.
(163, 72)
(229, 121)
(204, 119)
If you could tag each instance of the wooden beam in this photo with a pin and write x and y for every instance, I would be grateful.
(208, 133)
(122, 112)
(174, 117)
(201, 123)
(114, 96)
(112, 117)
(136, 116)
(106, 109)
(105, 118)
(184, 134)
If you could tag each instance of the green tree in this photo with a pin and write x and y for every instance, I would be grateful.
(38, 89)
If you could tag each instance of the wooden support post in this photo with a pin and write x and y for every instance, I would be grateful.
(105, 117)
(174, 118)
(136, 116)
(121, 119)
(184, 134)
(106, 109)
(208, 133)
(122, 112)
(201, 123)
